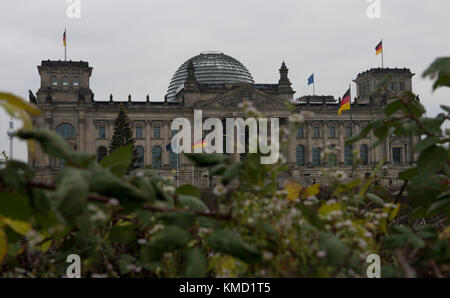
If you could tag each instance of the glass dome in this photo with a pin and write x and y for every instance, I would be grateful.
(210, 68)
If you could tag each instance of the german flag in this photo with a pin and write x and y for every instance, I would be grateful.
(345, 102)
(64, 38)
(379, 48)
(199, 144)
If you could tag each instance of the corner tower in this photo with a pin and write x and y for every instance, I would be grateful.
(64, 81)
(369, 84)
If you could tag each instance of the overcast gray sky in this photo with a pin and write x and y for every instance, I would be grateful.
(135, 46)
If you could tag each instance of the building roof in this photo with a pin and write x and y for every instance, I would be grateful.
(213, 68)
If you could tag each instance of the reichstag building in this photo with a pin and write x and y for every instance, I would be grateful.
(217, 84)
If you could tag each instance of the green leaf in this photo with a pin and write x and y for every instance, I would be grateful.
(425, 144)
(439, 70)
(423, 189)
(170, 239)
(184, 219)
(438, 206)
(311, 216)
(432, 160)
(195, 263)
(192, 203)
(106, 184)
(15, 206)
(335, 249)
(394, 107)
(206, 160)
(375, 199)
(231, 173)
(189, 190)
(408, 174)
(50, 142)
(445, 108)
(71, 193)
(228, 242)
(124, 234)
(119, 161)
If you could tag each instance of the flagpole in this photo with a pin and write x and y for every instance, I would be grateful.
(65, 44)
(382, 54)
(351, 120)
(178, 170)
(314, 85)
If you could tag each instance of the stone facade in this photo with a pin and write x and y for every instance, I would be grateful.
(69, 108)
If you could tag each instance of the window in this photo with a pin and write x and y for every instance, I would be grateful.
(397, 155)
(332, 158)
(66, 131)
(75, 81)
(157, 157)
(61, 163)
(300, 155)
(316, 132)
(364, 154)
(101, 153)
(400, 86)
(300, 134)
(157, 132)
(173, 160)
(332, 132)
(65, 81)
(140, 156)
(348, 155)
(138, 132)
(101, 132)
(316, 156)
(54, 81)
(348, 131)
(392, 86)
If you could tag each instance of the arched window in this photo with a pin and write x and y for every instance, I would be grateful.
(364, 154)
(101, 153)
(157, 157)
(348, 154)
(316, 156)
(300, 155)
(54, 81)
(66, 131)
(65, 81)
(139, 156)
(76, 82)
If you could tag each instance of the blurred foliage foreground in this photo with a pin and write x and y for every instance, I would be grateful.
(138, 224)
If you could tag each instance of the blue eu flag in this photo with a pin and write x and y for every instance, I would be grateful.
(311, 79)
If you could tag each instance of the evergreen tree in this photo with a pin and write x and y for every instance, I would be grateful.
(123, 133)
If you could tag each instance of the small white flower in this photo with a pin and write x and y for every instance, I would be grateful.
(321, 254)
(267, 255)
(142, 241)
(114, 202)
(219, 190)
(140, 174)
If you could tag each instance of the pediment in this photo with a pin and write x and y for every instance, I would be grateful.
(232, 100)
